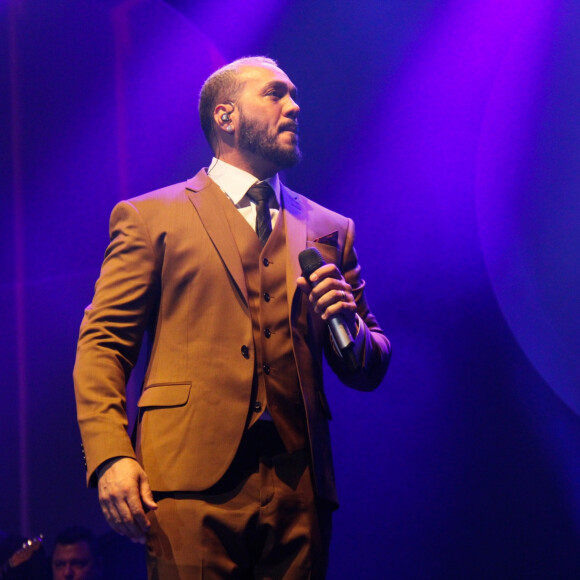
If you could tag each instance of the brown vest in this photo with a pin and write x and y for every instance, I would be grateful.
(276, 384)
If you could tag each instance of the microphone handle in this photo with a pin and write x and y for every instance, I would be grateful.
(310, 260)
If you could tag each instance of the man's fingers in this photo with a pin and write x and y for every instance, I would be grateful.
(113, 515)
(331, 291)
(123, 515)
(326, 271)
(336, 296)
(121, 487)
(107, 512)
(139, 523)
(303, 284)
(330, 294)
(123, 519)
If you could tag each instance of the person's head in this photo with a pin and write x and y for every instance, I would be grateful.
(76, 555)
(249, 115)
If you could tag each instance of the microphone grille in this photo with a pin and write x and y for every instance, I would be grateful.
(310, 260)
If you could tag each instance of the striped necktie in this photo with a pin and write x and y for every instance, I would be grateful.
(260, 193)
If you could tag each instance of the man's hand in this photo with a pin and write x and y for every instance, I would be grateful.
(123, 491)
(330, 294)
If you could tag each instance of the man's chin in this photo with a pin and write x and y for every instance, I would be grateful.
(290, 145)
(288, 139)
(282, 151)
(289, 157)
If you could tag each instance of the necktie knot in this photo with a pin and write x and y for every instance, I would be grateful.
(260, 193)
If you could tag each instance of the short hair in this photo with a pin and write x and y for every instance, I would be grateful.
(223, 86)
(76, 534)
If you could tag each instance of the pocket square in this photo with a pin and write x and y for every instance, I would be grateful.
(329, 239)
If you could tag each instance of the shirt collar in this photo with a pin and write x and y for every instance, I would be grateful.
(235, 182)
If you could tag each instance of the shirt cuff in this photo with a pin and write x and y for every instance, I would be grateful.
(359, 339)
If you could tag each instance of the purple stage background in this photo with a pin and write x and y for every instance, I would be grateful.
(449, 131)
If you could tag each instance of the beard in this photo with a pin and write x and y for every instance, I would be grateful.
(255, 138)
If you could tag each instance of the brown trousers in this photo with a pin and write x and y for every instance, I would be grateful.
(260, 521)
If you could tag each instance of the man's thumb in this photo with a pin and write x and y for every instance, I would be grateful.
(147, 494)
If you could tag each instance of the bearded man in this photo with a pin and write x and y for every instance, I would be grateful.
(231, 474)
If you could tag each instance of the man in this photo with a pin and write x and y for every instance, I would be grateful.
(232, 459)
(76, 555)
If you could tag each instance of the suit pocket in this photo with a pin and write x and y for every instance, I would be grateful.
(166, 412)
(329, 253)
(165, 395)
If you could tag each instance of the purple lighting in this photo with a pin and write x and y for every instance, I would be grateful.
(449, 131)
(236, 26)
(528, 215)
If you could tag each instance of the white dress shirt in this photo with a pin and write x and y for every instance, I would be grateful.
(235, 182)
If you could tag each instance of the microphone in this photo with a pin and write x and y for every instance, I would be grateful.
(310, 260)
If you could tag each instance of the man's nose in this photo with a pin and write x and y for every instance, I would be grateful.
(292, 108)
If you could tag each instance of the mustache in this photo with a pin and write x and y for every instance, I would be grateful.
(289, 126)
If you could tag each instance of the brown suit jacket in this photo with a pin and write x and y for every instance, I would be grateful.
(172, 268)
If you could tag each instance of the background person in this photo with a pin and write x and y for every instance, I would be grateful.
(76, 555)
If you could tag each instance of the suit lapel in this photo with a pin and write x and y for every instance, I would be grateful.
(208, 199)
(295, 221)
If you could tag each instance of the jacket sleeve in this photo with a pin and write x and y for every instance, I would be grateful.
(372, 346)
(110, 337)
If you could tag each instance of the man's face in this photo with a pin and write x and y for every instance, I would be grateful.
(268, 116)
(74, 562)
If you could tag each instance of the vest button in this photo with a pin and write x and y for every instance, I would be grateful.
(266, 297)
(267, 333)
(266, 262)
(245, 351)
(266, 369)
(257, 407)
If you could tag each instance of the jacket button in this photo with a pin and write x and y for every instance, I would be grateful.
(266, 297)
(267, 333)
(266, 262)
(245, 351)
(266, 368)
(257, 407)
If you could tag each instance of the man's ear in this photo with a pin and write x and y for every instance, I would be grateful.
(222, 116)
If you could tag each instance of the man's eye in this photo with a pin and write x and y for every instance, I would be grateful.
(79, 564)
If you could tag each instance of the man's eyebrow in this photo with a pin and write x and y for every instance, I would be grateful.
(286, 87)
